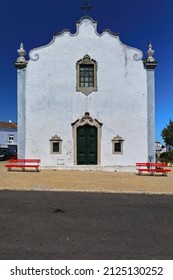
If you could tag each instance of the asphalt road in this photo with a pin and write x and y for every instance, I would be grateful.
(72, 225)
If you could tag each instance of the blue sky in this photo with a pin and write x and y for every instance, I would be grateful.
(138, 21)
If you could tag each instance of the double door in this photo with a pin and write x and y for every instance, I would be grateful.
(87, 145)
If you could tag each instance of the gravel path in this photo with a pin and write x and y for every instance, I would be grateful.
(96, 181)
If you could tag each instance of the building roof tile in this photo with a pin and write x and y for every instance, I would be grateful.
(8, 125)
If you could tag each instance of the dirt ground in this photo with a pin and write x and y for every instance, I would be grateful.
(95, 181)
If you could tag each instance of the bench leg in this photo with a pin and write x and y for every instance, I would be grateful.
(23, 169)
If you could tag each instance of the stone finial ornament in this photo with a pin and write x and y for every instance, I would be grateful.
(22, 53)
(150, 53)
(21, 62)
(150, 62)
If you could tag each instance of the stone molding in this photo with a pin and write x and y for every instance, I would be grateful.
(120, 140)
(87, 119)
(55, 139)
(86, 60)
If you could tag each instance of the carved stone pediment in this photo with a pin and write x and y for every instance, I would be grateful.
(55, 138)
(118, 139)
(87, 119)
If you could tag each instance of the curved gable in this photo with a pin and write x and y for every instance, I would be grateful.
(86, 27)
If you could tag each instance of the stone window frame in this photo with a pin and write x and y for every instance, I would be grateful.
(118, 139)
(86, 60)
(55, 139)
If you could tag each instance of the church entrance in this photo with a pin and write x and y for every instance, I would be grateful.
(87, 140)
(87, 145)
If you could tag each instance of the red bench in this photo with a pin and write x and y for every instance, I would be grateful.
(23, 163)
(152, 168)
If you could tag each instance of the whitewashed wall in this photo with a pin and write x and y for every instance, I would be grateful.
(52, 102)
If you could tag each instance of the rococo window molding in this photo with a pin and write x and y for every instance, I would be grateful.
(55, 145)
(86, 75)
(117, 145)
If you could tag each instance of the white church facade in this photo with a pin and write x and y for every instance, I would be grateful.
(86, 101)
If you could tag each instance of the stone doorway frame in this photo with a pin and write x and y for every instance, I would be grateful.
(87, 119)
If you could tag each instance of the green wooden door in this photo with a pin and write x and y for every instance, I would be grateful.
(86, 145)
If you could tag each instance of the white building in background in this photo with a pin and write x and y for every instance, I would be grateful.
(8, 135)
(86, 101)
(159, 149)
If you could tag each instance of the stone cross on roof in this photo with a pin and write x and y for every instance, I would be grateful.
(86, 7)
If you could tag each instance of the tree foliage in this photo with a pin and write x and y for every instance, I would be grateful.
(167, 134)
(167, 157)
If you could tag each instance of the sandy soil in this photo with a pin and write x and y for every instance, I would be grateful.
(84, 181)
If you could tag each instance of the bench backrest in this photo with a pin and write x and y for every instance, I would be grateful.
(24, 160)
(151, 164)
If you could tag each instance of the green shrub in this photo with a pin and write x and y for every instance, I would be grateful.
(166, 157)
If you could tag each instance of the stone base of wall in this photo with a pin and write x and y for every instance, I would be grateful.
(117, 168)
